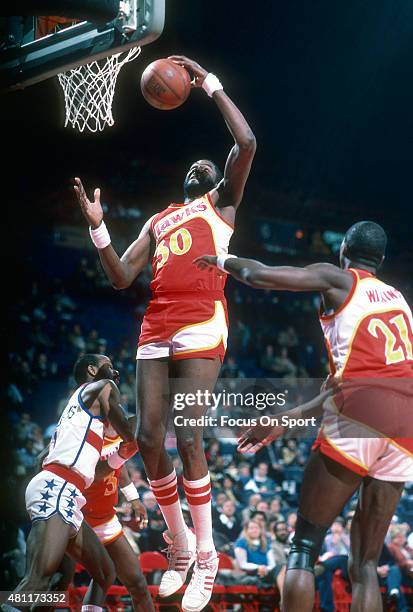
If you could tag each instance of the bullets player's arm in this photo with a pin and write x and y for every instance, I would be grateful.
(111, 409)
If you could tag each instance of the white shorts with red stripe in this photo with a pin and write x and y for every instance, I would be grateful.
(48, 494)
(109, 531)
(379, 458)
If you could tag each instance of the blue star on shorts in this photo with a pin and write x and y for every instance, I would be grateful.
(73, 493)
(43, 507)
(46, 495)
(69, 513)
(50, 484)
(70, 503)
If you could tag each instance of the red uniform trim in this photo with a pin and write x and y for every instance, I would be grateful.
(326, 449)
(67, 474)
(198, 501)
(167, 502)
(116, 537)
(165, 492)
(194, 490)
(94, 440)
(324, 317)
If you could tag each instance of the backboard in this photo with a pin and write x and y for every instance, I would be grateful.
(138, 23)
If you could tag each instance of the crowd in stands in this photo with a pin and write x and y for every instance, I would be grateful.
(254, 497)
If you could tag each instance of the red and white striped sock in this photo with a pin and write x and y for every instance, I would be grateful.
(198, 494)
(166, 493)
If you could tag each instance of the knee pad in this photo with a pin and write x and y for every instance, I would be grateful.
(306, 546)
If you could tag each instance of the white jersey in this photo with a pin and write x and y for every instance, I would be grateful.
(371, 334)
(78, 439)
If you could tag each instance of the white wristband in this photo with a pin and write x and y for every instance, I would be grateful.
(221, 259)
(211, 84)
(130, 492)
(100, 236)
(115, 461)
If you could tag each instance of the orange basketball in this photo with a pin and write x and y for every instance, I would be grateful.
(165, 85)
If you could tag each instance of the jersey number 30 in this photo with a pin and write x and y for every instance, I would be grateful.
(179, 243)
(397, 333)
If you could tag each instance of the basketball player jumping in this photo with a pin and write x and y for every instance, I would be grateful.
(54, 497)
(368, 328)
(184, 333)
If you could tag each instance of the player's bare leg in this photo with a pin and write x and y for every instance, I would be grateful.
(377, 504)
(326, 488)
(153, 408)
(129, 572)
(86, 549)
(46, 546)
(153, 405)
(190, 377)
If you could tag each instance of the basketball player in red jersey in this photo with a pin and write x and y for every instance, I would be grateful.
(99, 512)
(368, 327)
(184, 332)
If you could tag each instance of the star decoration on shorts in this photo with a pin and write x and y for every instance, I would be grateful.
(43, 507)
(73, 493)
(69, 513)
(70, 503)
(46, 495)
(50, 484)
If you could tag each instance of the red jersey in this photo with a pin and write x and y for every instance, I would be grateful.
(101, 498)
(371, 334)
(182, 232)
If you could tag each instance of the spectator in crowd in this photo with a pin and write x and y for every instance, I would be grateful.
(402, 554)
(254, 556)
(275, 513)
(227, 522)
(335, 554)
(230, 369)
(288, 337)
(291, 521)
(228, 487)
(76, 339)
(27, 456)
(252, 506)
(261, 482)
(390, 577)
(24, 427)
(280, 542)
(337, 542)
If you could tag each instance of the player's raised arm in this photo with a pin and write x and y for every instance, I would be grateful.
(238, 164)
(121, 271)
(316, 277)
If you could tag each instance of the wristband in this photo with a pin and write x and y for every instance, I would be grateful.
(130, 492)
(211, 84)
(115, 461)
(221, 259)
(100, 236)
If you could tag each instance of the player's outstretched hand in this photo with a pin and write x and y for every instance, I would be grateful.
(92, 211)
(206, 262)
(140, 513)
(255, 438)
(196, 72)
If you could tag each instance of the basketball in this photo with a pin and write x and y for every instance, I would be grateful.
(165, 85)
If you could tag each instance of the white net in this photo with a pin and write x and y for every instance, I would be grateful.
(89, 91)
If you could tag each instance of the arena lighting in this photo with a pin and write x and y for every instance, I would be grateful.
(89, 10)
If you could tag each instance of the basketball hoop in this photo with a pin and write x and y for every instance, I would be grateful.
(89, 91)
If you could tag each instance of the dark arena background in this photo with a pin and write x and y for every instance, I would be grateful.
(327, 88)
